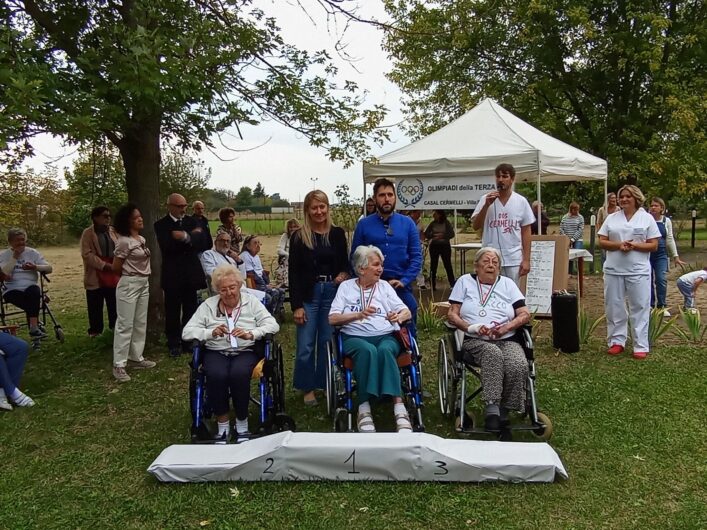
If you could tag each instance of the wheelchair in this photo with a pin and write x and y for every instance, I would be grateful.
(340, 384)
(270, 376)
(454, 393)
(8, 315)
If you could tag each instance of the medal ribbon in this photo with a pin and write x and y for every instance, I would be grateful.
(485, 299)
(232, 339)
(365, 304)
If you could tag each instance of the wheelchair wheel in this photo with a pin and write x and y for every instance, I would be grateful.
(544, 433)
(331, 374)
(279, 383)
(469, 422)
(445, 379)
(59, 334)
(283, 422)
(341, 421)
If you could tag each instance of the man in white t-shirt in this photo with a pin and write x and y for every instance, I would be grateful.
(505, 218)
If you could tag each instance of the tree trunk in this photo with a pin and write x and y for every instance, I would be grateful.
(140, 151)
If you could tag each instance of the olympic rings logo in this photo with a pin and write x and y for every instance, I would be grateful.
(410, 194)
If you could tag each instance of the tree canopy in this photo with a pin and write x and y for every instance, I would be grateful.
(622, 79)
(189, 68)
(146, 72)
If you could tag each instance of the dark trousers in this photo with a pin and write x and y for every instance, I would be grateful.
(28, 300)
(229, 374)
(441, 249)
(94, 302)
(179, 305)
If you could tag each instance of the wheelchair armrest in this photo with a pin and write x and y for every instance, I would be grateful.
(45, 277)
(524, 335)
(268, 337)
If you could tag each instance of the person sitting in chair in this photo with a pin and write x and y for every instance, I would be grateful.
(20, 266)
(369, 312)
(489, 308)
(275, 296)
(13, 356)
(230, 323)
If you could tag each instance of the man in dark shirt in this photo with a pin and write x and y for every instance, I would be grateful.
(181, 241)
(198, 208)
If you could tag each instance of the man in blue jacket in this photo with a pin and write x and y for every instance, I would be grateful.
(396, 236)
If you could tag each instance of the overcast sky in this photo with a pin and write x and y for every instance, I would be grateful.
(286, 163)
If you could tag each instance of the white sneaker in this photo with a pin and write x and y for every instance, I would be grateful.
(666, 313)
(5, 404)
(120, 374)
(24, 401)
(141, 364)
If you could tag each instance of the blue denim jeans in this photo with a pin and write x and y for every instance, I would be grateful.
(686, 292)
(659, 287)
(312, 338)
(12, 361)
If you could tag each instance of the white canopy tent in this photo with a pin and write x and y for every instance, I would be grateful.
(474, 144)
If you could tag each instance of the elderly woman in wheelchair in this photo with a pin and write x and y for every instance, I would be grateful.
(369, 313)
(229, 324)
(490, 310)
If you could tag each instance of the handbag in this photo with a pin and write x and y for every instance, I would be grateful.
(106, 278)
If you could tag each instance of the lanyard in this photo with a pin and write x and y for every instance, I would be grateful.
(365, 304)
(231, 327)
(483, 300)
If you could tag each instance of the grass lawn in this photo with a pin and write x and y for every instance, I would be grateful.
(631, 436)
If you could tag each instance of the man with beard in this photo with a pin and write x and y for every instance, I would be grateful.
(505, 217)
(397, 237)
(180, 240)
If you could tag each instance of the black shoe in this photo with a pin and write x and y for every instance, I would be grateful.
(492, 423)
(221, 439)
(175, 352)
(37, 334)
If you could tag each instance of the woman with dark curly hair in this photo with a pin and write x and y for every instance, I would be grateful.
(132, 261)
(228, 225)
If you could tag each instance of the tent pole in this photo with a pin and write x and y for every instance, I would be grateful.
(538, 213)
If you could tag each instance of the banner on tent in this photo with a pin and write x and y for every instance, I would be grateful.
(429, 193)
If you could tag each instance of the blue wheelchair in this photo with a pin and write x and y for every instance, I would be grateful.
(270, 376)
(340, 384)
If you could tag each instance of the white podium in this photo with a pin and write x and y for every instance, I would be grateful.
(310, 456)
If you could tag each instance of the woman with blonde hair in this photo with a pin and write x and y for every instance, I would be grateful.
(318, 263)
(628, 236)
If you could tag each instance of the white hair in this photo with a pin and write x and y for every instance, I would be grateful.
(223, 271)
(485, 250)
(361, 256)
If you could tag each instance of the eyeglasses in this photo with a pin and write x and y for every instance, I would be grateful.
(179, 205)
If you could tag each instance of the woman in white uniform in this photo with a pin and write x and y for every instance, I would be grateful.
(628, 236)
